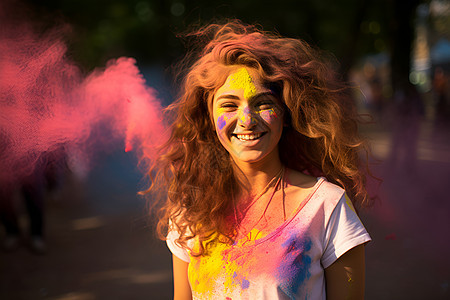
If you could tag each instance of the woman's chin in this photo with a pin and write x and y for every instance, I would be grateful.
(252, 157)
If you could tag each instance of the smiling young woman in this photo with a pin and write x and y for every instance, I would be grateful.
(261, 172)
(248, 118)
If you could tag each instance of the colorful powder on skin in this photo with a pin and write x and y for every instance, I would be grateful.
(242, 80)
(224, 116)
(247, 117)
(221, 122)
(252, 236)
(46, 103)
(268, 114)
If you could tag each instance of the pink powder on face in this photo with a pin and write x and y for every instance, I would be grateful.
(223, 118)
(268, 115)
(46, 102)
(246, 117)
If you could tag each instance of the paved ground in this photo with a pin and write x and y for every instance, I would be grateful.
(408, 258)
(101, 246)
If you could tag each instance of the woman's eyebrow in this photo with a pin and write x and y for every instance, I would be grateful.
(253, 98)
(228, 96)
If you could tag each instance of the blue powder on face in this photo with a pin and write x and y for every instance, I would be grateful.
(221, 122)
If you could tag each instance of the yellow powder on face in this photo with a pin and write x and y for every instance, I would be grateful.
(242, 80)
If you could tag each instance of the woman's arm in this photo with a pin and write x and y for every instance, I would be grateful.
(345, 277)
(181, 287)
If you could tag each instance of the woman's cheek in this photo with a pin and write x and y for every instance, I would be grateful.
(223, 120)
(269, 115)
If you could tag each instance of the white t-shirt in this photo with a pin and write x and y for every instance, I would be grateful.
(287, 263)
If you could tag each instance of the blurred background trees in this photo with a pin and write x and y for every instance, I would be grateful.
(395, 32)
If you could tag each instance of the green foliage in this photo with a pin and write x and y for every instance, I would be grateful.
(147, 29)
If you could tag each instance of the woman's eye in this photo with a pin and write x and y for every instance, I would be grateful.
(228, 106)
(265, 105)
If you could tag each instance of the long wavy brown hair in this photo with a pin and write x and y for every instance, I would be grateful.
(194, 172)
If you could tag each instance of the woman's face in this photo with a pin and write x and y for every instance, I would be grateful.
(248, 117)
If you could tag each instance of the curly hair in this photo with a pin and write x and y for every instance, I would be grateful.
(195, 172)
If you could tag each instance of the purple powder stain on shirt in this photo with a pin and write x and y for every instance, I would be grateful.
(221, 122)
(245, 284)
(294, 270)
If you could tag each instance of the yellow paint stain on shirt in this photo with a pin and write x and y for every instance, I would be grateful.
(202, 270)
(219, 266)
(349, 203)
(241, 79)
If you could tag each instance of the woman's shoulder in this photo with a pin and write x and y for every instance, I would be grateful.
(299, 187)
(302, 187)
(299, 180)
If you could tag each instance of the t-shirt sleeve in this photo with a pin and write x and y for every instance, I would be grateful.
(177, 250)
(344, 231)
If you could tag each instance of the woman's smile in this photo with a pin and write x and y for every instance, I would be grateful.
(249, 137)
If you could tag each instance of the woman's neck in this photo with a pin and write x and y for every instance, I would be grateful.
(257, 175)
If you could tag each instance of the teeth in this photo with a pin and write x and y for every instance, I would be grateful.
(248, 137)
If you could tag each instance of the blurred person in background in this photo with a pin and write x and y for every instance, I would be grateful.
(408, 110)
(440, 89)
(46, 177)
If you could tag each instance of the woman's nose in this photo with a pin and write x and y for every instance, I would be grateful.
(247, 118)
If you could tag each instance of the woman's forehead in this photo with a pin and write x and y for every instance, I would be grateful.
(243, 79)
